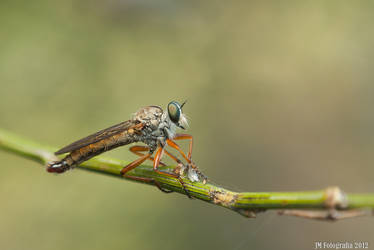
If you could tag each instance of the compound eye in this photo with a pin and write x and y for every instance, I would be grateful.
(174, 110)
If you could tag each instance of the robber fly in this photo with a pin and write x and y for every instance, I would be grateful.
(150, 125)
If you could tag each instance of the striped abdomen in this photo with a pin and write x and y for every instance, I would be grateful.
(85, 153)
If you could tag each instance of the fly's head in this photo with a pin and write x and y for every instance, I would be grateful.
(176, 115)
(172, 119)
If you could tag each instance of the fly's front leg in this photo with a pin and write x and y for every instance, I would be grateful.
(185, 137)
(136, 163)
(190, 164)
(175, 146)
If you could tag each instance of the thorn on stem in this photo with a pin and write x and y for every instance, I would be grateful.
(326, 215)
(250, 213)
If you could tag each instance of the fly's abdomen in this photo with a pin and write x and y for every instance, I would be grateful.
(87, 152)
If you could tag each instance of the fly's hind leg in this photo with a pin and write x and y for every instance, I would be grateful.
(138, 149)
(136, 163)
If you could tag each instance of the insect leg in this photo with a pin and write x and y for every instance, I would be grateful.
(136, 163)
(185, 137)
(190, 165)
(156, 162)
(175, 146)
(173, 157)
(138, 149)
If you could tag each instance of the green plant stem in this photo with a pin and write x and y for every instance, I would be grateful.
(246, 203)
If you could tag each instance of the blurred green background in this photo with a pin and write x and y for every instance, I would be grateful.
(280, 98)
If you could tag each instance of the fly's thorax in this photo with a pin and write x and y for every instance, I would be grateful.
(167, 127)
(171, 130)
(150, 116)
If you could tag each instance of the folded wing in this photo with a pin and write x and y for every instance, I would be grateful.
(102, 134)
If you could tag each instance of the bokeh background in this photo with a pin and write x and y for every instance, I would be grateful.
(280, 98)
